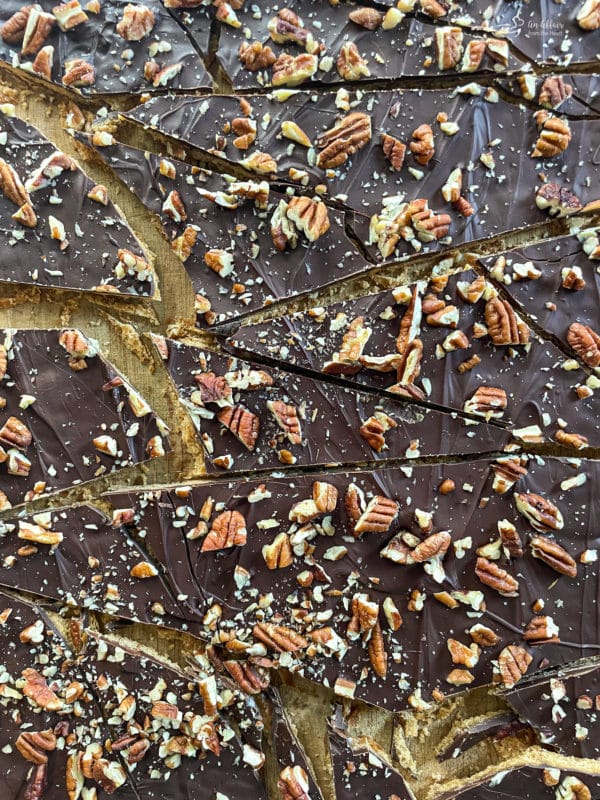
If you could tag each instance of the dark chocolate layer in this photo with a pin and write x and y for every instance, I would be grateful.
(535, 784)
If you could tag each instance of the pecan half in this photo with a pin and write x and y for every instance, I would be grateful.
(286, 417)
(541, 630)
(504, 327)
(255, 56)
(228, 529)
(554, 91)
(586, 343)
(38, 691)
(513, 663)
(588, 16)
(434, 546)
(292, 71)
(347, 360)
(242, 422)
(551, 553)
(13, 29)
(348, 136)
(377, 516)
(487, 401)
(448, 46)
(34, 745)
(557, 200)
(553, 137)
(136, 23)
(507, 471)
(540, 513)
(377, 654)
(78, 73)
(11, 185)
(309, 215)
(15, 433)
(293, 783)
(278, 637)
(496, 578)
(350, 64)
(373, 430)
(394, 150)
(422, 145)
(248, 677)
(39, 24)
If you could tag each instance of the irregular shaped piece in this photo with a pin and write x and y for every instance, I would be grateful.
(64, 234)
(465, 357)
(374, 608)
(307, 422)
(405, 204)
(544, 783)
(116, 47)
(235, 261)
(67, 415)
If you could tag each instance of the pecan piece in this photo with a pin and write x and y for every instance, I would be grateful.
(588, 16)
(293, 783)
(38, 781)
(574, 440)
(541, 630)
(11, 185)
(586, 343)
(431, 227)
(248, 677)
(495, 577)
(255, 56)
(483, 636)
(13, 29)
(377, 517)
(394, 150)
(78, 73)
(136, 23)
(365, 614)
(109, 775)
(348, 136)
(504, 326)
(554, 91)
(513, 663)
(288, 27)
(448, 46)
(242, 422)
(15, 433)
(511, 541)
(540, 513)
(368, 18)
(487, 401)
(42, 63)
(507, 471)
(227, 530)
(347, 360)
(354, 502)
(34, 745)
(286, 417)
(553, 137)
(556, 200)
(214, 389)
(377, 654)
(374, 429)
(551, 553)
(38, 691)
(309, 215)
(39, 24)
(278, 554)
(434, 546)
(325, 496)
(278, 637)
(350, 64)
(292, 71)
(422, 145)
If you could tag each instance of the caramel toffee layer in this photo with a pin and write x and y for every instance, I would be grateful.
(563, 708)
(100, 718)
(103, 47)
(339, 577)
(420, 169)
(59, 227)
(67, 415)
(453, 341)
(253, 417)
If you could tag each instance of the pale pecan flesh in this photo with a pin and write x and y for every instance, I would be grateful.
(540, 512)
(554, 555)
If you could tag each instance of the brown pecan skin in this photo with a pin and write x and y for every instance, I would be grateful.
(343, 140)
(136, 23)
(513, 662)
(496, 578)
(15, 433)
(228, 530)
(586, 343)
(504, 327)
(422, 145)
(249, 679)
(368, 18)
(79, 73)
(377, 516)
(213, 388)
(539, 630)
(377, 653)
(394, 150)
(11, 185)
(554, 91)
(256, 56)
(434, 546)
(554, 135)
(293, 783)
(244, 424)
(551, 553)
(540, 512)
(34, 745)
(13, 29)
(279, 638)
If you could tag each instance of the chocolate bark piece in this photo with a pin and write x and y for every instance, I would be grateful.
(340, 576)
(304, 42)
(102, 48)
(292, 762)
(362, 772)
(249, 416)
(571, 94)
(238, 239)
(563, 707)
(461, 353)
(536, 784)
(420, 169)
(61, 229)
(67, 415)
(75, 556)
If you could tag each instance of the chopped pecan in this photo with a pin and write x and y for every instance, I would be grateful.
(504, 326)
(394, 150)
(465, 655)
(431, 227)
(249, 678)
(325, 496)
(34, 745)
(557, 200)
(173, 207)
(286, 417)
(38, 781)
(553, 137)
(13, 29)
(39, 24)
(288, 27)
(377, 516)
(588, 16)
(228, 529)
(586, 343)
(448, 46)
(434, 546)
(513, 662)
(278, 637)
(354, 502)
(365, 614)
(422, 145)
(487, 401)
(109, 775)
(347, 360)
(551, 553)
(541, 630)
(78, 73)
(572, 279)
(368, 18)
(409, 369)
(350, 64)
(136, 23)
(50, 168)
(554, 91)
(348, 136)
(433, 8)
(15, 433)
(507, 471)
(511, 541)
(483, 636)
(377, 653)
(540, 513)
(214, 389)
(473, 55)
(278, 554)
(38, 691)
(293, 70)
(574, 440)
(11, 185)
(74, 343)
(245, 130)
(573, 788)
(309, 215)
(497, 578)
(373, 430)
(255, 56)
(293, 783)
(242, 422)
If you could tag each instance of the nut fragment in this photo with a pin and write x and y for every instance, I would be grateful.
(38, 691)
(309, 215)
(449, 47)
(377, 516)
(256, 56)
(292, 71)
(325, 496)
(78, 72)
(504, 327)
(554, 135)
(557, 200)
(293, 783)
(551, 553)
(554, 91)
(347, 360)
(588, 16)
(541, 630)
(137, 22)
(487, 401)
(348, 136)
(242, 422)
(541, 513)
(373, 430)
(278, 554)
(278, 637)
(228, 530)
(13, 29)
(377, 654)
(586, 343)
(34, 745)
(422, 145)
(350, 64)
(286, 416)
(394, 150)
(497, 578)
(513, 662)
(39, 24)
(15, 433)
